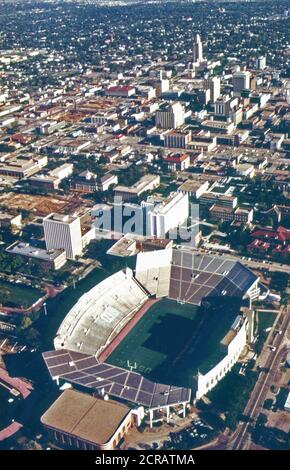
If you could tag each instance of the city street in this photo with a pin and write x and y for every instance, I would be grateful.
(240, 440)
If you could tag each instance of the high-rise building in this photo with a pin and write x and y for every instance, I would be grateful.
(171, 117)
(63, 231)
(214, 85)
(154, 217)
(197, 54)
(165, 214)
(241, 81)
(224, 105)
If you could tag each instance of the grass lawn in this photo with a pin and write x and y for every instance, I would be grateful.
(173, 341)
(265, 320)
(230, 396)
(18, 295)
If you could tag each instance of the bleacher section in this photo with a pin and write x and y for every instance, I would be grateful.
(87, 371)
(191, 277)
(153, 270)
(101, 314)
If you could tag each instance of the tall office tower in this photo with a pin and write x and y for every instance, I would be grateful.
(63, 231)
(197, 55)
(214, 85)
(241, 81)
(170, 117)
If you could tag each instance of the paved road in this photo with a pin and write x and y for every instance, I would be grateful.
(254, 263)
(258, 264)
(259, 393)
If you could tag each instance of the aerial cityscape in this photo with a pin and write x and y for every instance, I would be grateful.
(144, 226)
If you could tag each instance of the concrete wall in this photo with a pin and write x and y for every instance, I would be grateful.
(208, 381)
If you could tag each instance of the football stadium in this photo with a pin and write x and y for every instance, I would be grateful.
(161, 335)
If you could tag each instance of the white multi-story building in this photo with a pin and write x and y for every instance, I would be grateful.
(52, 259)
(163, 215)
(261, 63)
(214, 85)
(146, 183)
(63, 171)
(241, 81)
(147, 92)
(63, 231)
(171, 117)
(194, 188)
(154, 217)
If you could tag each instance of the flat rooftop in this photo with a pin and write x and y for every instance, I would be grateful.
(63, 218)
(87, 417)
(139, 186)
(126, 246)
(219, 196)
(217, 124)
(217, 208)
(5, 216)
(25, 249)
(191, 185)
(164, 204)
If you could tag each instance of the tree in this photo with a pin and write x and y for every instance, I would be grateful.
(26, 323)
(31, 336)
(279, 281)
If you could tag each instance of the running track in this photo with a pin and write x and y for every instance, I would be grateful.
(127, 328)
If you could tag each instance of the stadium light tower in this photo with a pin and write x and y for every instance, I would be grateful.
(45, 309)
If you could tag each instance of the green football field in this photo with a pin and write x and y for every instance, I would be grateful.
(173, 341)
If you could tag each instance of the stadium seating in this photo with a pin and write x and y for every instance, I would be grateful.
(191, 277)
(101, 313)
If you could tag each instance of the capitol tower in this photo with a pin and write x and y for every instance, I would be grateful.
(197, 55)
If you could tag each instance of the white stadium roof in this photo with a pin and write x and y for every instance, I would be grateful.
(100, 314)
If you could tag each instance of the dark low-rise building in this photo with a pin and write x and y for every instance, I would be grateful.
(88, 182)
